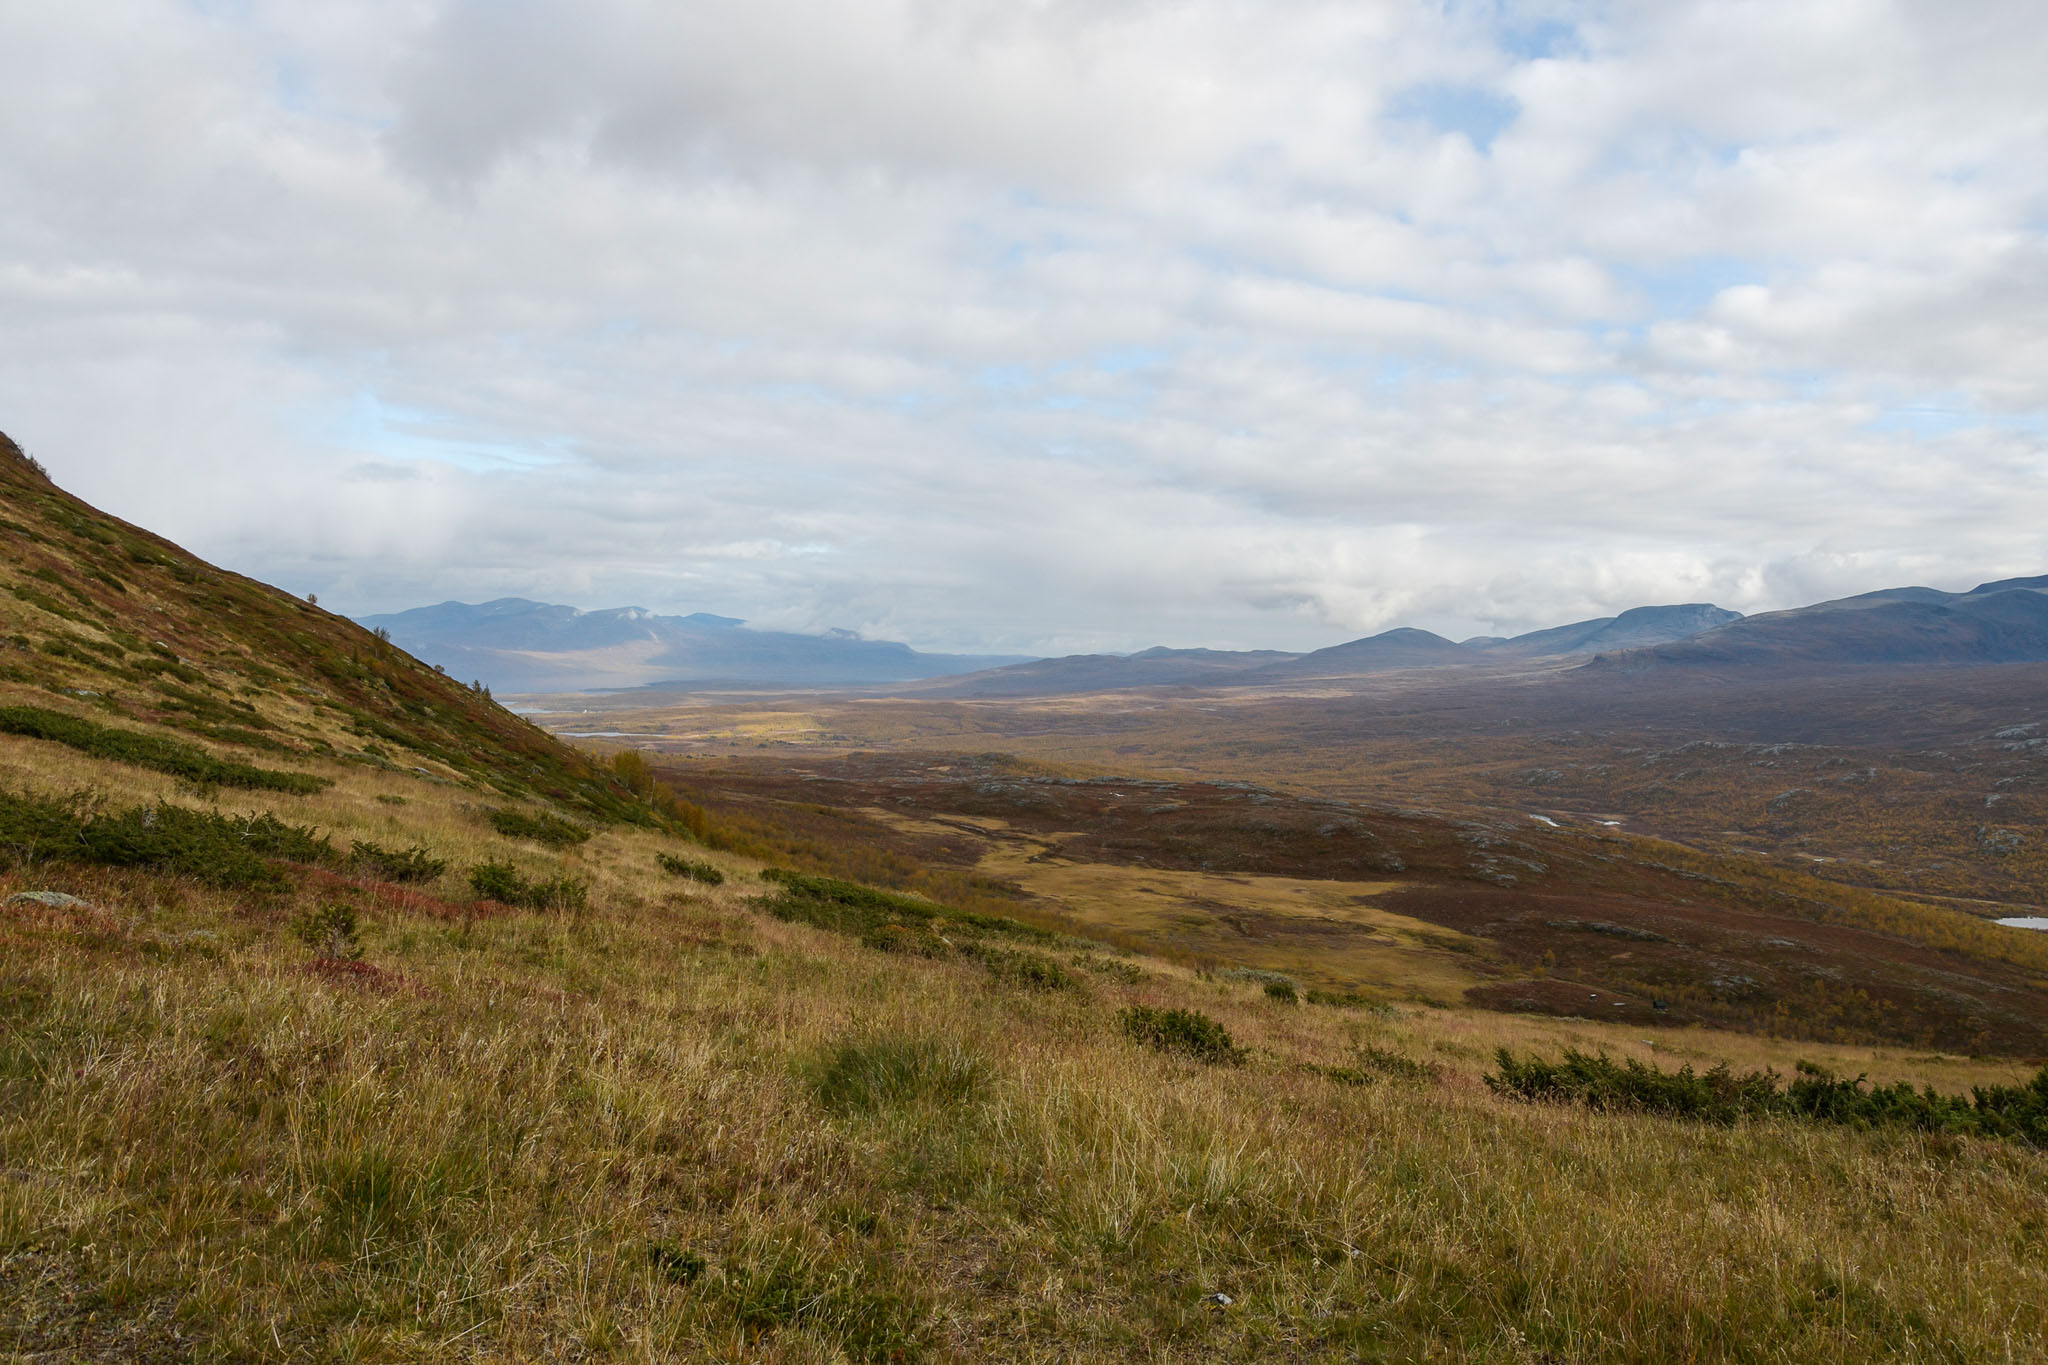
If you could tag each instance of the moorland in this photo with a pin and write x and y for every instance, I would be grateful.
(345, 1014)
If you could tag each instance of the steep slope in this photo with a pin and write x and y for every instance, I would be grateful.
(107, 620)
(513, 644)
(1991, 624)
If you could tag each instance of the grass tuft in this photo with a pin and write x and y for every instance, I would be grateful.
(785, 1283)
(891, 1070)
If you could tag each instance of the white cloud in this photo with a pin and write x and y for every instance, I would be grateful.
(1043, 325)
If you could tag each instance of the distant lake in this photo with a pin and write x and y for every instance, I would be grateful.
(2026, 922)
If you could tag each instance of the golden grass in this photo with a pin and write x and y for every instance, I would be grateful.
(534, 1137)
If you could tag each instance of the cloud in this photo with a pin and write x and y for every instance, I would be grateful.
(1041, 325)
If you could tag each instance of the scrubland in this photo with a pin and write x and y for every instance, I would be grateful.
(672, 1125)
(346, 1016)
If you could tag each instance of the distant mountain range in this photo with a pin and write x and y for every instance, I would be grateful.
(1390, 651)
(520, 646)
(2002, 622)
(514, 645)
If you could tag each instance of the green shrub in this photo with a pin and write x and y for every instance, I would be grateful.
(863, 912)
(159, 667)
(1283, 991)
(1028, 970)
(1814, 1095)
(228, 851)
(163, 754)
(1188, 1033)
(892, 1070)
(538, 826)
(412, 864)
(912, 940)
(693, 869)
(1346, 1000)
(330, 931)
(1127, 972)
(498, 881)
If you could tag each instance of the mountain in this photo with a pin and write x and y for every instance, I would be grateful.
(2002, 622)
(1403, 647)
(1635, 627)
(516, 645)
(1390, 651)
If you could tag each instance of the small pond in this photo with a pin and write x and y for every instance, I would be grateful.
(2026, 922)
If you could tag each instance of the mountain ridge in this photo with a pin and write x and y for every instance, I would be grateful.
(516, 644)
(2005, 621)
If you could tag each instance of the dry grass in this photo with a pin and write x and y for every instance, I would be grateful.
(522, 1137)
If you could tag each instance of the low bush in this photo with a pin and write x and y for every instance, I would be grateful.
(1283, 991)
(498, 881)
(864, 913)
(1187, 1033)
(691, 869)
(1814, 1095)
(330, 931)
(1127, 972)
(1347, 1000)
(228, 851)
(1028, 970)
(164, 755)
(412, 864)
(538, 826)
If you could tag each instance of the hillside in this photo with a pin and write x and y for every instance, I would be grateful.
(515, 645)
(344, 1015)
(1994, 623)
(124, 625)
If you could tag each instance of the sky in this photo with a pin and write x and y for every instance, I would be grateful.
(1041, 326)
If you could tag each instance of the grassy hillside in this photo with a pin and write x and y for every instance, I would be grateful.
(287, 1071)
(103, 618)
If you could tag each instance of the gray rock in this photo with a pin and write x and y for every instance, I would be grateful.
(54, 900)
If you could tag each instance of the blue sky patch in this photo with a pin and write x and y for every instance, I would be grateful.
(1480, 114)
